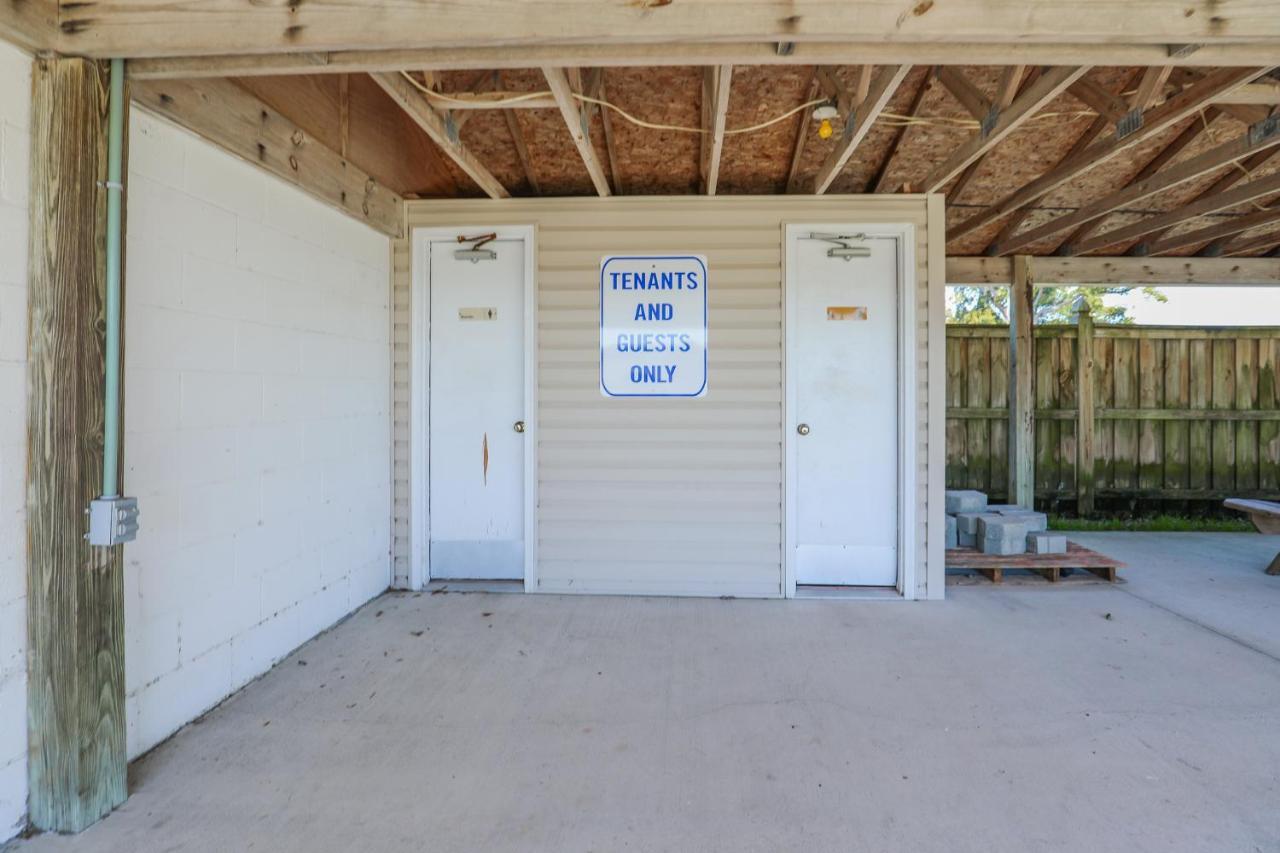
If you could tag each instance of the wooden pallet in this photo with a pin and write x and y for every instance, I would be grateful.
(1048, 566)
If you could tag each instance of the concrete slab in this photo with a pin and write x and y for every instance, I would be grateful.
(1133, 717)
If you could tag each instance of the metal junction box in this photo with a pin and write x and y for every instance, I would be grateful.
(112, 521)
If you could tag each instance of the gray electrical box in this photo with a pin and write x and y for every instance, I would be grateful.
(112, 521)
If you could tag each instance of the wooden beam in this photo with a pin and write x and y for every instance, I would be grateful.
(1187, 170)
(1251, 244)
(1155, 121)
(75, 592)
(802, 134)
(1229, 228)
(1233, 176)
(344, 116)
(442, 132)
(719, 79)
(966, 94)
(1047, 86)
(1083, 141)
(234, 120)
(685, 53)
(30, 24)
(859, 123)
(146, 27)
(1022, 403)
(1242, 194)
(878, 182)
(1086, 426)
(1109, 106)
(1189, 134)
(1105, 272)
(1010, 79)
(610, 147)
(578, 128)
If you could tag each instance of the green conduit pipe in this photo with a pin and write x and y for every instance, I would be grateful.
(115, 192)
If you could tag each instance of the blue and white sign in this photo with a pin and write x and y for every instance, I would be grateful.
(653, 326)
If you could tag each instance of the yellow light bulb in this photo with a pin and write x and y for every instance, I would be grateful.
(824, 129)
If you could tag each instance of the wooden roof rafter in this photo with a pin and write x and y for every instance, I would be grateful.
(442, 131)
(1154, 121)
(858, 123)
(576, 121)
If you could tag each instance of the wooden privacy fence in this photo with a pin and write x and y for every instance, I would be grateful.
(1177, 413)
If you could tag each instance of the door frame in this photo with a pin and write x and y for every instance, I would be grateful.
(905, 233)
(420, 396)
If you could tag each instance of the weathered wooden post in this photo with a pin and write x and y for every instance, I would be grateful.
(75, 603)
(1022, 358)
(1086, 381)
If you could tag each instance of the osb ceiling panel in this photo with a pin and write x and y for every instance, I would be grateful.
(899, 149)
(656, 161)
(758, 162)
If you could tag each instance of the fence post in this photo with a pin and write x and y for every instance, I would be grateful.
(1022, 359)
(1086, 381)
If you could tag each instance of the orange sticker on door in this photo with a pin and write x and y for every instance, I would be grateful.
(846, 312)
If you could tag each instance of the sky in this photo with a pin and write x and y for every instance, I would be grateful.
(1205, 306)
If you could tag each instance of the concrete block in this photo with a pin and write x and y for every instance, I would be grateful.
(1033, 520)
(967, 522)
(952, 530)
(1002, 535)
(1006, 508)
(965, 500)
(1046, 542)
(966, 540)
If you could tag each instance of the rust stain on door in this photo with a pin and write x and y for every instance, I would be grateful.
(484, 448)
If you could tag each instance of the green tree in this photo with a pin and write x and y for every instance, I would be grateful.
(1052, 304)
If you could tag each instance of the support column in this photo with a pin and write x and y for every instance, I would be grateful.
(75, 600)
(1085, 385)
(1022, 358)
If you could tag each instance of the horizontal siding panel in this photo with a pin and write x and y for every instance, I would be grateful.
(691, 530)
(654, 551)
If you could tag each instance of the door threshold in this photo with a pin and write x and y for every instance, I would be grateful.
(437, 587)
(848, 593)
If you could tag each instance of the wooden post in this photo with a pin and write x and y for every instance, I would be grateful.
(75, 599)
(1022, 361)
(1085, 384)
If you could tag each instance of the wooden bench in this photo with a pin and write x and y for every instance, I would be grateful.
(1265, 516)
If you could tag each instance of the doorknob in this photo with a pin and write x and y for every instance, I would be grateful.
(518, 426)
(803, 429)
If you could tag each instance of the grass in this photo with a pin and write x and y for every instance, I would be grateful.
(1155, 524)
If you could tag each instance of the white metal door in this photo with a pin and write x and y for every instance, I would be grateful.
(477, 412)
(845, 346)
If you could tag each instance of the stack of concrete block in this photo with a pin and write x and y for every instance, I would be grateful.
(1002, 529)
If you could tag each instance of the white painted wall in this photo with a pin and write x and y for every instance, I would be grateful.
(15, 116)
(257, 437)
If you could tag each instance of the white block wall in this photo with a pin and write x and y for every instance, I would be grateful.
(15, 116)
(257, 434)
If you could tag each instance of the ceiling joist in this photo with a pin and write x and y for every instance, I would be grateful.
(1166, 272)
(1217, 233)
(719, 79)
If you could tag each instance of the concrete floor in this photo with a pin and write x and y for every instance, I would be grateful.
(1144, 716)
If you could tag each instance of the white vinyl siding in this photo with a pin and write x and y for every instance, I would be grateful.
(659, 496)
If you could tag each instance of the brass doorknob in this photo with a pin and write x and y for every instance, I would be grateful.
(803, 429)
(518, 426)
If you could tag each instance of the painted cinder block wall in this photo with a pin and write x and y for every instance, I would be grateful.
(257, 389)
(257, 437)
(15, 118)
